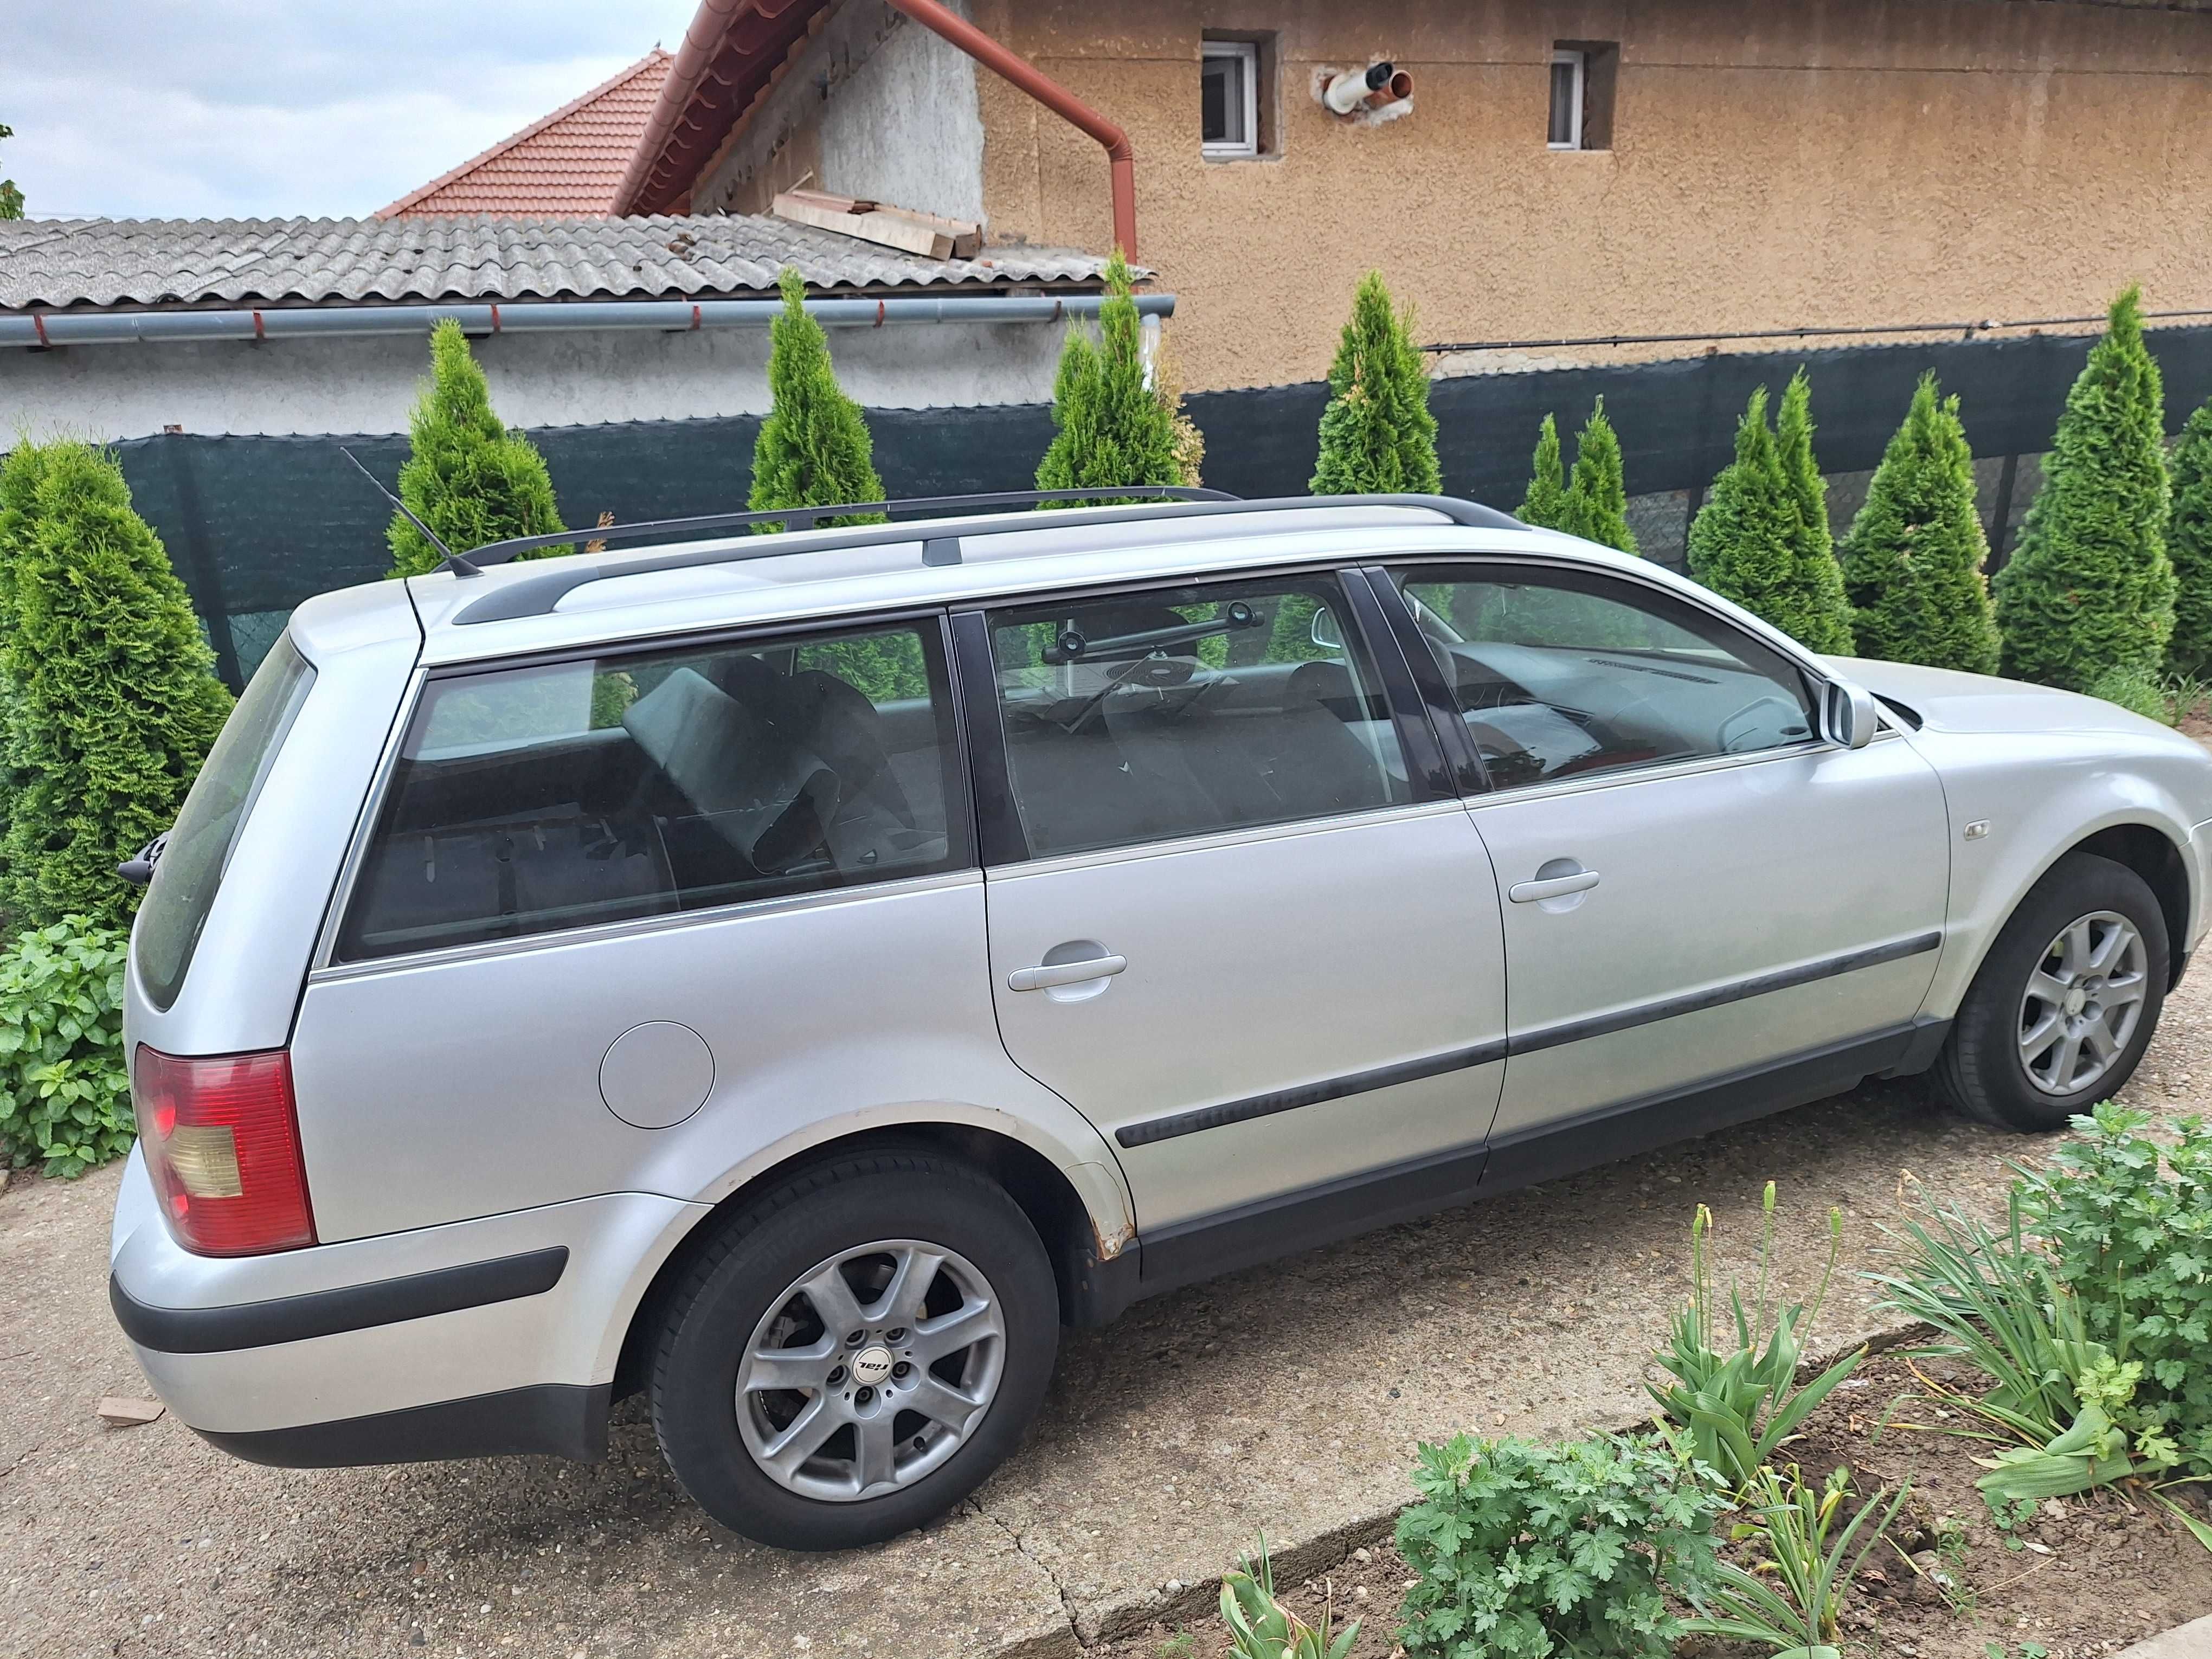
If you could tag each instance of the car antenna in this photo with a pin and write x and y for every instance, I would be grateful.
(455, 561)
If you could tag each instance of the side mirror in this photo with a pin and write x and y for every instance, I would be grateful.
(1325, 632)
(1848, 714)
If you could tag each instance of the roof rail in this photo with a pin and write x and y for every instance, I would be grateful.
(807, 518)
(539, 594)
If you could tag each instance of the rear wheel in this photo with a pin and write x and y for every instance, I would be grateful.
(2063, 1007)
(854, 1353)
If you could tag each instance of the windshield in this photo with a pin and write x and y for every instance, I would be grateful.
(191, 866)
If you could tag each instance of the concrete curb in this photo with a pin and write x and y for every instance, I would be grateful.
(2190, 1641)
(1128, 1613)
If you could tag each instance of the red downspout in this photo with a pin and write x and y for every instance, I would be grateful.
(1120, 159)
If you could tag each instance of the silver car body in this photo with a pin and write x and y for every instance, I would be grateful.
(451, 1104)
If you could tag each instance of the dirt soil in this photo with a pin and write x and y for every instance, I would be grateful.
(2086, 1577)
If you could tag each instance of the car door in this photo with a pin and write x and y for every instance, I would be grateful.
(1227, 921)
(1709, 909)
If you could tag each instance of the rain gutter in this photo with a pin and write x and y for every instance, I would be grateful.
(53, 328)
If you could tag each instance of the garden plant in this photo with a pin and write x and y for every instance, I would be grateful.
(1110, 426)
(2188, 545)
(2091, 589)
(1746, 540)
(65, 1088)
(114, 698)
(1526, 1548)
(813, 449)
(1261, 1627)
(1792, 1597)
(1597, 493)
(1545, 504)
(1912, 562)
(1825, 616)
(1739, 1402)
(1376, 434)
(467, 476)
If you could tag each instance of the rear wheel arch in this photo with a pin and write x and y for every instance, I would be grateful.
(1043, 1194)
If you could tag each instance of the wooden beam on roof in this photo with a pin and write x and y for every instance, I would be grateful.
(879, 222)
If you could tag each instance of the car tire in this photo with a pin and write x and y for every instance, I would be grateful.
(753, 1313)
(1991, 1067)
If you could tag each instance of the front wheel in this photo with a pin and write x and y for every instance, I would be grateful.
(850, 1357)
(2065, 1003)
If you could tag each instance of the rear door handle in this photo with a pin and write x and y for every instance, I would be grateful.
(1063, 972)
(1533, 892)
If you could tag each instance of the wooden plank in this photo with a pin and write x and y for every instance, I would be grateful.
(123, 1412)
(903, 228)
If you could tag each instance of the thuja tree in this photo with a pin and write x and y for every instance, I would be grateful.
(1376, 434)
(2189, 544)
(21, 469)
(1597, 495)
(467, 476)
(11, 198)
(813, 449)
(1546, 502)
(1109, 425)
(1743, 543)
(2091, 590)
(1913, 562)
(1824, 614)
(115, 698)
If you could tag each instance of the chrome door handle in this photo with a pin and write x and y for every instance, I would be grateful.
(1063, 972)
(1533, 892)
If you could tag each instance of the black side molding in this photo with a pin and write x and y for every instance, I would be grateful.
(328, 1313)
(1307, 1094)
(562, 1419)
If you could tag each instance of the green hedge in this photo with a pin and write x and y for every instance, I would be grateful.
(64, 1085)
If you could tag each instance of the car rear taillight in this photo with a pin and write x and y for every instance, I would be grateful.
(223, 1144)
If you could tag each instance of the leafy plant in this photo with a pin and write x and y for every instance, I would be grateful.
(2136, 689)
(1109, 424)
(114, 698)
(1823, 616)
(1261, 1627)
(2129, 1225)
(1525, 1549)
(1792, 1596)
(1913, 562)
(466, 475)
(813, 449)
(2188, 545)
(2091, 587)
(1741, 1404)
(1597, 495)
(1376, 434)
(64, 1091)
(11, 195)
(1545, 503)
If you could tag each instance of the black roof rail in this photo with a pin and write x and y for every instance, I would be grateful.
(807, 518)
(539, 593)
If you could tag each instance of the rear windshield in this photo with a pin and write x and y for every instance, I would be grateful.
(192, 866)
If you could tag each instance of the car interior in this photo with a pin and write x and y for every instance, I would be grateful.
(722, 776)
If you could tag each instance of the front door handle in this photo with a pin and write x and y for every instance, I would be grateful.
(1063, 972)
(1544, 887)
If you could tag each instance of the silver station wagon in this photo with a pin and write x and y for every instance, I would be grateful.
(793, 974)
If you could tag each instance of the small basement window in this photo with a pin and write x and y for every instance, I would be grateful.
(1583, 75)
(1229, 98)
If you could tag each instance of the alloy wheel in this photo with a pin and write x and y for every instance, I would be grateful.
(871, 1370)
(2082, 1003)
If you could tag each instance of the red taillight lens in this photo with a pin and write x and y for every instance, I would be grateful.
(223, 1144)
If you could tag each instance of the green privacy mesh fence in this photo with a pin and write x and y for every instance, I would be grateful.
(257, 524)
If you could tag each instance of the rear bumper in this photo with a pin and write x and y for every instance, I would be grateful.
(483, 1337)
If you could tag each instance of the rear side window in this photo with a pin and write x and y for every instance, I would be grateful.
(1190, 710)
(531, 799)
(192, 866)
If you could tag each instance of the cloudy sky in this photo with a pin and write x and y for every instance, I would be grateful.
(245, 108)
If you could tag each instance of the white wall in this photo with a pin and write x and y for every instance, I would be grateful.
(368, 385)
(876, 106)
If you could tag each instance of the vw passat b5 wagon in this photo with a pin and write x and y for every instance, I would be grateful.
(795, 974)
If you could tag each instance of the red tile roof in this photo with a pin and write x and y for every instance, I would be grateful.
(567, 163)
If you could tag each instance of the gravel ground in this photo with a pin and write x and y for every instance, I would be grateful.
(1287, 1397)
